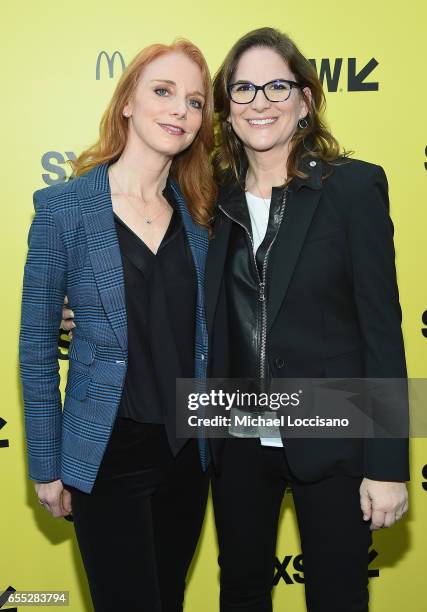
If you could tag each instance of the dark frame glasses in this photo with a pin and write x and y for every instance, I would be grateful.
(255, 88)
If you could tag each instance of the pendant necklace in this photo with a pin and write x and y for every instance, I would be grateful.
(147, 220)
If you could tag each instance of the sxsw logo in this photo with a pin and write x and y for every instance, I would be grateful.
(105, 58)
(291, 569)
(424, 320)
(330, 71)
(289, 573)
(4, 598)
(55, 163)
(3, 443)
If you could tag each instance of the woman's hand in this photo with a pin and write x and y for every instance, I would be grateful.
(383, 502)
(54, 497)
(67, 323)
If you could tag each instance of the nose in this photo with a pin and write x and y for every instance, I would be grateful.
(260, 102)
(180, 108)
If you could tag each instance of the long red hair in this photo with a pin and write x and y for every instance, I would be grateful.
(192, 168)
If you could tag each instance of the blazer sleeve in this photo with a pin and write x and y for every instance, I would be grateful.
(44, 287)
(380, 316)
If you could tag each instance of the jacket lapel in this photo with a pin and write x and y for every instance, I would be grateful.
(197, 237)
(230, 197)
(302, 201)
(104, 251)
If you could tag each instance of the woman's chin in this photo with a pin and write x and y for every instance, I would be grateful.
(261, 147)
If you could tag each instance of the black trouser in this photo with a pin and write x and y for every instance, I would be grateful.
(138, 528)
(247, 497)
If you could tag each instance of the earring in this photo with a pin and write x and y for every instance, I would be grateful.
(126, 115)
(303, 123)
(229, 126)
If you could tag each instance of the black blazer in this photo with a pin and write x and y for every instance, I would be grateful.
(333, 305)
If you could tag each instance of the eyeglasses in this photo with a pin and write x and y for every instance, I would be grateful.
(244, 92)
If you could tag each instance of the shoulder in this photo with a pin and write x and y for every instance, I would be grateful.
(356, 187)
(58, 192)
(59, 197)
(355, 173)
(351, 181)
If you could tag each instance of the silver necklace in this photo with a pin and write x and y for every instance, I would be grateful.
(267, 205)
(147, 220)
(259, 191)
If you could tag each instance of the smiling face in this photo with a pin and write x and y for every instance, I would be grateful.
(166, 108)
(262, 125)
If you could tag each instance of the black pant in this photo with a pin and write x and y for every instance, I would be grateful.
(138, 528)
(247, 497)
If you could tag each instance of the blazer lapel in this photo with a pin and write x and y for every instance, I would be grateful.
(197, 237)
(301, 205)
(104, 251)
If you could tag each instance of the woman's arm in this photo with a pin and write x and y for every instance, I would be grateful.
(383, 494)
(374, 277)
(44, 287)
(377, 301)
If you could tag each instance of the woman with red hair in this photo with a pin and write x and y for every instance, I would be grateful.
(126, 242)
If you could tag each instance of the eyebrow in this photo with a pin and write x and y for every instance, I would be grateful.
(173, 83)
(270, 81)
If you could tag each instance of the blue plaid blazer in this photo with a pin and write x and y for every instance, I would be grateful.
(73, 250)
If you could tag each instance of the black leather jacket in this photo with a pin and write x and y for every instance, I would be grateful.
(246, 283)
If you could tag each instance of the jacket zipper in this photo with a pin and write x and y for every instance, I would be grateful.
(262, 334)
(262, 297)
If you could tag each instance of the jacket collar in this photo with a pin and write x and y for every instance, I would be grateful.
(97, 178)
(313, 167)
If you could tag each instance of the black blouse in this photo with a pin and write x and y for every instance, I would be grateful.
(160, 292)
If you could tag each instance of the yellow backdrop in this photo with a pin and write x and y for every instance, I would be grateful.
(52, 102)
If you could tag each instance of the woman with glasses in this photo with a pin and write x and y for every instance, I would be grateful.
(301, 269)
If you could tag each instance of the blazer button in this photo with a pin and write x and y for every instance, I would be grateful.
(279, 362)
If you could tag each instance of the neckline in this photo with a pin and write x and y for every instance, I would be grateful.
(252, 195)
(164, 239)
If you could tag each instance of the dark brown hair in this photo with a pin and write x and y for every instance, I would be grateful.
(192, 168)
(314, 140)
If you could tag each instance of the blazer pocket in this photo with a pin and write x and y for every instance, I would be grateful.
(81, 356)
(82, 350)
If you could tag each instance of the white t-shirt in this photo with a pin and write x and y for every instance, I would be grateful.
(259, 211)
